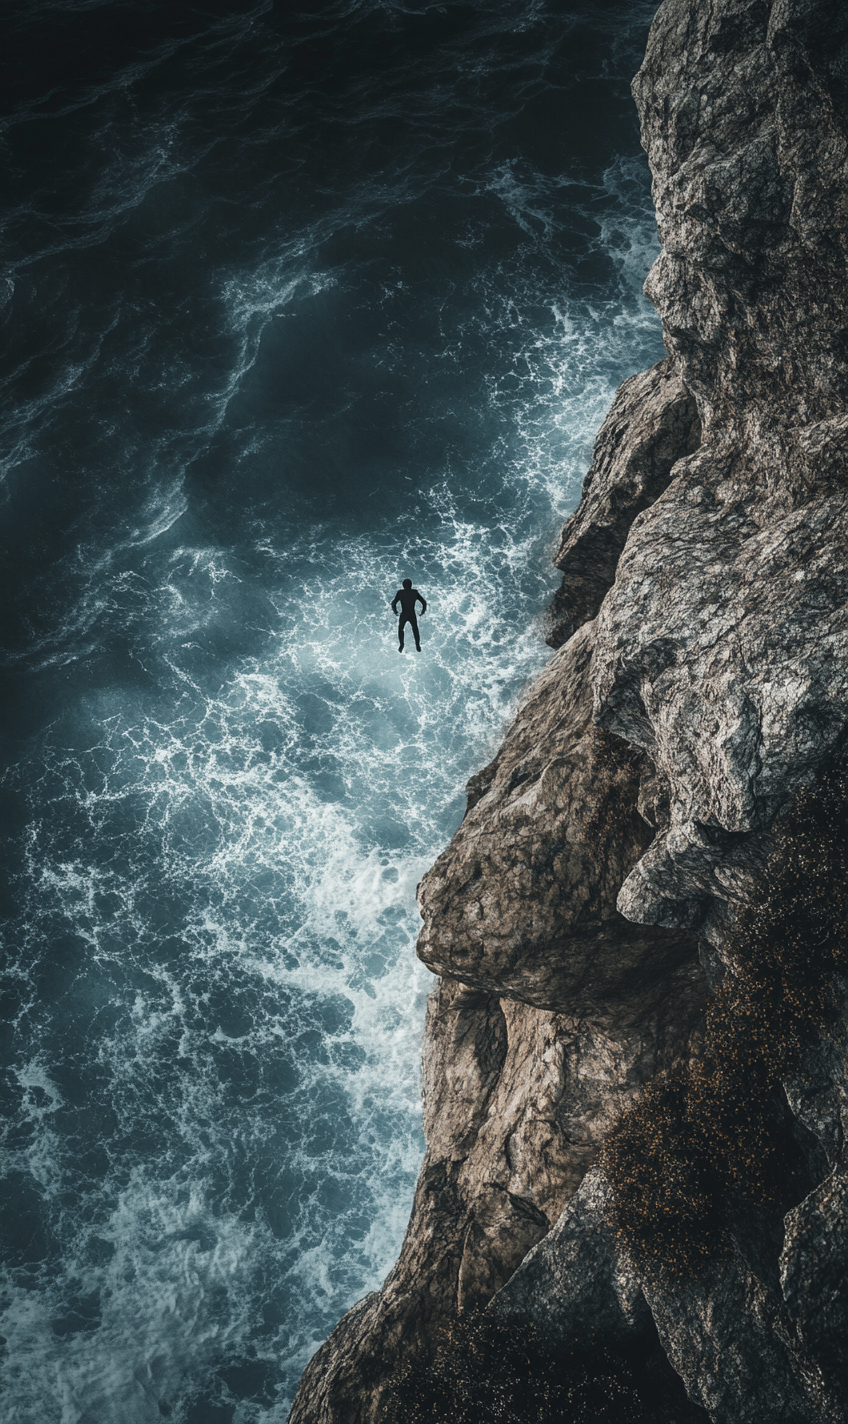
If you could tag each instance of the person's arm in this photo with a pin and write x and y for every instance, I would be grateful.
(423, 602)
(395, 601)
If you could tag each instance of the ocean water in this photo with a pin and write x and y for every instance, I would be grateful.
(299, 300)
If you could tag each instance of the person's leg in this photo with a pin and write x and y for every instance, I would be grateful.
(413, 621)
(401, 621)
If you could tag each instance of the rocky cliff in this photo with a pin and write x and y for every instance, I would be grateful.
(630, 869)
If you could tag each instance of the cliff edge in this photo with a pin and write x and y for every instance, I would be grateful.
(646, 844)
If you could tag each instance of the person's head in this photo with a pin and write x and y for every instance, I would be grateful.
(407, 583)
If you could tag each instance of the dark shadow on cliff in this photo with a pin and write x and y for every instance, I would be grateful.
(500, 1371)
(720, 1129)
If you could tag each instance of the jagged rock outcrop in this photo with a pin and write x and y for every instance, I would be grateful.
(721, 649)
(727, 1332)
(653, 423)
(522, 902)
(701, 683)
(516, 1103)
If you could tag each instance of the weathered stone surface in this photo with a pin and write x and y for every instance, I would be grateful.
(653, 423)
(726, 661)
(575, 1285)
(744, 121)
(722, 650)
(523, 900)
(516, 1103)
(727, 1333)
(814, 1277)
(814, 1258)
(818, 1097)
(562, 1086)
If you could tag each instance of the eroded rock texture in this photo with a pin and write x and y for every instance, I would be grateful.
(523, 900)
(721, 649)
(652, 424)
(517, 1101)
(700, 682)
(727, 1332)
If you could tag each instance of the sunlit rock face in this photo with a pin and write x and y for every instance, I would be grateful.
(721, 650)
(523, 900)
(700, 682)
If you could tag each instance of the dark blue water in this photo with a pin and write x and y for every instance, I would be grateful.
(299, 300)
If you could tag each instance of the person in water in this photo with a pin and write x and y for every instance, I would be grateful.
(407, 598)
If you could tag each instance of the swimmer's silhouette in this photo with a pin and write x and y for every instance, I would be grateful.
(407, 597)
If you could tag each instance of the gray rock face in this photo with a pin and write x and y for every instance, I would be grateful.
(523, 900)
(728, 1333)
(744, 120)
(814, 1278)
(722, 650)
(701, 680)
(814, 1258)
(652, 424)
(575, 1282)
(517, 1101)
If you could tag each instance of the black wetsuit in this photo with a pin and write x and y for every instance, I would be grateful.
(407, 597)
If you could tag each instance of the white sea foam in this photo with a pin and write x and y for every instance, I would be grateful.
(288, 838)
(285, 821)
(217, 996)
